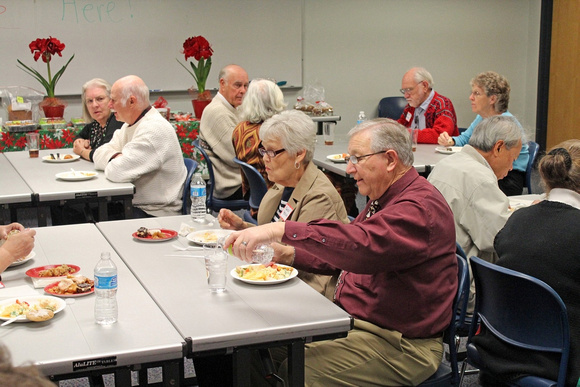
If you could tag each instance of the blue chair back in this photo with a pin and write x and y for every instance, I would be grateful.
(215, 204)
(190, 165)
(392, 107)
(446, 376)
(257, 183)
(522, 311)
(533, 148)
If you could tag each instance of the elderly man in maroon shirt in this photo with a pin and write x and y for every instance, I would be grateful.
(397, 264)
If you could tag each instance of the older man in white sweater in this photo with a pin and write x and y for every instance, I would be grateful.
(216, 127)
(145, 151)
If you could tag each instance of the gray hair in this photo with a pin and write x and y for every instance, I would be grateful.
(262, 100)
(132, 85)
(421, 74)
(493, 129)
(295, 131)
(95, 82)
(388, 134)
(494, 84)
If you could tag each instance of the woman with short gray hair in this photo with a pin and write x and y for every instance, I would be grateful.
(490, 95)
(301, 191)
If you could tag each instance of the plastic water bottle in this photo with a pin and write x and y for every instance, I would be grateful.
(361, 117)
(198, 210)
(106, 310)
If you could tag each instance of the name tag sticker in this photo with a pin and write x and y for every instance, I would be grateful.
(286, 212)
(409, 116)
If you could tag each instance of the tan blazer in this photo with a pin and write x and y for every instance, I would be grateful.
(314, 197)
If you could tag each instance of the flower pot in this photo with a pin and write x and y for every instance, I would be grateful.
(53, 111)
(198, 106)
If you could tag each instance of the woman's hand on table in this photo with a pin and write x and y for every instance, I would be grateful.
(230, 221)
(445, 139)
(81, 145)
(244, 242)
(19, 245)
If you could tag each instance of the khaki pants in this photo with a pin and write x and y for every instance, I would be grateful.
(370, 356)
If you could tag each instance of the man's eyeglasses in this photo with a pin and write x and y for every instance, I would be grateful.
(263, 152)
(409, 89)
(355, 159)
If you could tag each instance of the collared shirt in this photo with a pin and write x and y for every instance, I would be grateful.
(419, 115)
(399, 266)
(565, 196)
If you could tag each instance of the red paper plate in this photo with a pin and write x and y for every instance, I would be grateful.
(35, 270)
(47, 289)
(170, 235)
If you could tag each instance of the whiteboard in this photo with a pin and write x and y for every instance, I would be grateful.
(111, 39)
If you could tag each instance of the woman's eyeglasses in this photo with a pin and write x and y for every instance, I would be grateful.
(271, 154)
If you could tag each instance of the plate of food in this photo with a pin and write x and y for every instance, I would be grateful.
(22, 260)
(448, 149)
(58, 158)
(207, 236)
(259, 274)
(76, 175)
(44, 275)
(72, 286)
(338, 158)
(18, 307)
(154, 234)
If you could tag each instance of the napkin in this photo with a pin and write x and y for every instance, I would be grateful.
(17, 291)
(185, 229)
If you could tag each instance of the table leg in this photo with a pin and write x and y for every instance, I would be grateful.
(128, 206)
(41, 212)
(242, 364)
(296, 363)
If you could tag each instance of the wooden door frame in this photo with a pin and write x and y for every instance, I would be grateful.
(544, 72)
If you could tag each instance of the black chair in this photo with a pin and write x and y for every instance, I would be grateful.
(392, 107)
(190, 165)
(446, 376)
(533, 148)
(522, 311)
(258, 188)
(215, 204)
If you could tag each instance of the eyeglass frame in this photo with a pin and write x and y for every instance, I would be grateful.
(355, 159)
(409, 89)
(271, 154)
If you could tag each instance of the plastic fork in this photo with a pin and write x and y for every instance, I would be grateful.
(177, 247)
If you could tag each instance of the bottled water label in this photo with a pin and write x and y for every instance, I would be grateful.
(197, 192)
(108, 282)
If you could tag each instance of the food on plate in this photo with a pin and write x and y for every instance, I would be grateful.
(88, 174)
(144, 232)
(39, 315)
(269, 272)
(73, 285)
(67, 157)
(340, 156)
(209, 237)
(20, 308)
(58, 271)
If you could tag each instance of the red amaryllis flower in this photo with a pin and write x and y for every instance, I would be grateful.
(198, 47)
(46, 48)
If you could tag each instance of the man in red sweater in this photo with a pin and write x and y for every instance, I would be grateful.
(427, 110)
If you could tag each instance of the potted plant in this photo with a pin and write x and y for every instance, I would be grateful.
(198, 47)
(45, 49)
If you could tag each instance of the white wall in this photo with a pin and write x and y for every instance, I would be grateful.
(359, 51)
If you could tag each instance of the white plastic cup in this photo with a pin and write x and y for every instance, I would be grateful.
(217, 267)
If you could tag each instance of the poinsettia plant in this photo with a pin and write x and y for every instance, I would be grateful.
(198, 47)
(45, 49)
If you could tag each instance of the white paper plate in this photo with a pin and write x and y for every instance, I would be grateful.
(448, 149)
(77, 175)
(207, 236)
(60, 304)
(23, 260)
(61, 158)
(234, 274)
(337, 158)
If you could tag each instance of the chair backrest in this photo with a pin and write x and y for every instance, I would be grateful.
(257, 183)
(444, 376)
(190, 165)
(521, 310)
(533, 148)
(392, 107)
(210, 183)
